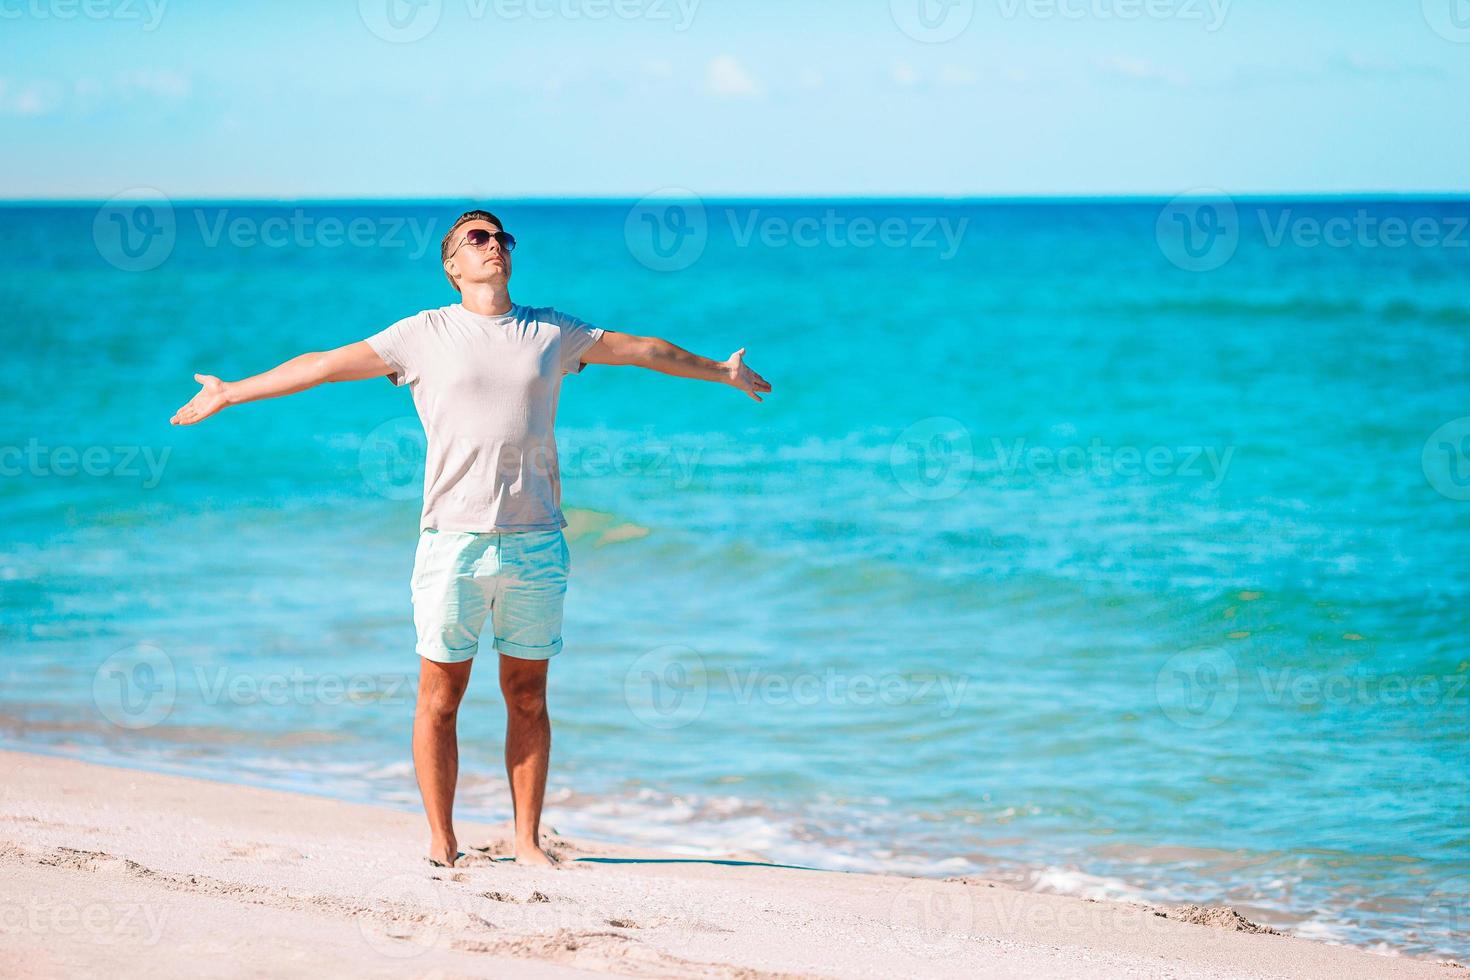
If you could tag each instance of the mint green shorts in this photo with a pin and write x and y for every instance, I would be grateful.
(518, 579)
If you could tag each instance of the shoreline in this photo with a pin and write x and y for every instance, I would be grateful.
(169, 875)
(1027, 873)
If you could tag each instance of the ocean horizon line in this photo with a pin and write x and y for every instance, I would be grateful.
(622, 201)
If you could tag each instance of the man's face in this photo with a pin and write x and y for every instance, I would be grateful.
(490, 264)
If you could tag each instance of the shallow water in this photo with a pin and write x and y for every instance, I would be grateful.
(1047, 559)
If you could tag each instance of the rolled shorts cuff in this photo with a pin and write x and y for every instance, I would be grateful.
(523, 652)
(441, 654)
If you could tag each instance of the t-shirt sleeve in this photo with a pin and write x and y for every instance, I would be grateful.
(398, 346)
(576, 337)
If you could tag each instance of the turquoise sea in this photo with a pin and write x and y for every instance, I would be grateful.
(1107, 547)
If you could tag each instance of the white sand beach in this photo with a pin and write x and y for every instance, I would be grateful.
(116, 872)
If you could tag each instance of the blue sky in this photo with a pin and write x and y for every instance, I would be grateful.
(506, 98)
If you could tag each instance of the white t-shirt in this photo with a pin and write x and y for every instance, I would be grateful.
(486, 390)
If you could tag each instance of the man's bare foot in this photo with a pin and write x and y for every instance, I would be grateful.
(532, 855)
(444, 853)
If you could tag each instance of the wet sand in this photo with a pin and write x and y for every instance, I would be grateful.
(117, 872)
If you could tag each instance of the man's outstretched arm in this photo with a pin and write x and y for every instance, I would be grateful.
(353, 362)
(660, 355)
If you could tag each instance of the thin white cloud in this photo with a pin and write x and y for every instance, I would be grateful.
(904, 74)
(657, 68)
(1138, 70)
(30, 99)
(1369, 67)
(87, 94)
(957, 76)
(726, 77)
(159, 84)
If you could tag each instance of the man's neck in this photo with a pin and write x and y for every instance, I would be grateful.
(487, 299)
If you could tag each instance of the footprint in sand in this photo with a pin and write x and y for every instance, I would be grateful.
(474, 858)
(263, 852)
(557, 849)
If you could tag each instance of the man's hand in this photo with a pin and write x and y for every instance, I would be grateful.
(353, 362)
(657, 354)
(211, 399)
(742, 377)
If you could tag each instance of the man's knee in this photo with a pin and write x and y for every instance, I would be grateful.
(523, 684)
(526, 697)
(440, 691)
(439, 705)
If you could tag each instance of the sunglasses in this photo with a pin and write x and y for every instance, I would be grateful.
(480, 238)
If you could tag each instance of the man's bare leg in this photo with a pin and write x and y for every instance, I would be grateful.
(527, 750)
(436, 749)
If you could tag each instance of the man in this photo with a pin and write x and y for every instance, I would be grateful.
(486, 377)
